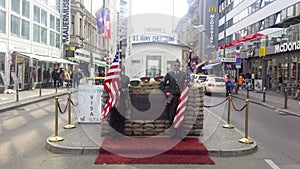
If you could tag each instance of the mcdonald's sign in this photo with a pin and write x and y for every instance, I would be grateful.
(212, 9)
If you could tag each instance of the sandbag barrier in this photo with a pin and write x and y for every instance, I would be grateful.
(193, 120)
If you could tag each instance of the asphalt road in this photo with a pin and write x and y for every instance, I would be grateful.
(272, 130)
(23, 133)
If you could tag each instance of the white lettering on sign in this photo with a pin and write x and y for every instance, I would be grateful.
(65, 20)
(212, 27)
(152, 38)
(287, 47)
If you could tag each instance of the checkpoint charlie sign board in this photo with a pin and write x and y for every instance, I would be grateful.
(89, 104)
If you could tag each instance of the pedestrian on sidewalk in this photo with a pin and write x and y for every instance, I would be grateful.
(32, 77)
(297, 95)
(46, 76)
(239, 83)
(228, 84)
(55, 76)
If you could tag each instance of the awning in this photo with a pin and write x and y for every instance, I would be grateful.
(101, 64)
(206, 67)
(242, 39)
(73, 59)
(47, 58)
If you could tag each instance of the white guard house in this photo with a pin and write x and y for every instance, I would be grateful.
(153, 59)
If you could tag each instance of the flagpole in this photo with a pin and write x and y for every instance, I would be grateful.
(173, 19)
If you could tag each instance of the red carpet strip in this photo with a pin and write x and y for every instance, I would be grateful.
(153, 150)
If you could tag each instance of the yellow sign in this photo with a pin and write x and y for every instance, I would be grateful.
(262, 51)
(212, 9)
(72, 48)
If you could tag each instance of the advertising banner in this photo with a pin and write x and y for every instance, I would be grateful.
(89, 103)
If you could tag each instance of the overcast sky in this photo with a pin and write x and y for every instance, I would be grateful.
(160, 7)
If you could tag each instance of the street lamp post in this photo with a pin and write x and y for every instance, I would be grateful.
(224, 49)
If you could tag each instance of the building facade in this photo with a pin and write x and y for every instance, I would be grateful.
(266, 33)
(30, 37)
(199, 30)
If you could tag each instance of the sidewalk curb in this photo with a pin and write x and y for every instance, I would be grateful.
(20, 103)
(233, 153)
(216, 150)
(86, 150)
(269, 106)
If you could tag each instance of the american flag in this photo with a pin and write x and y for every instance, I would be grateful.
(111, 85)
(180, 111)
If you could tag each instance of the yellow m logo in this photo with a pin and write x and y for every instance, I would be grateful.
(212, 9)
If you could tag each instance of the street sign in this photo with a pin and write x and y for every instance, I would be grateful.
(238, 63)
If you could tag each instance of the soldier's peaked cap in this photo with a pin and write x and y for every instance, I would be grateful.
(177, 61)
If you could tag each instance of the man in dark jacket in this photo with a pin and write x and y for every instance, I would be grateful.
(172, 85)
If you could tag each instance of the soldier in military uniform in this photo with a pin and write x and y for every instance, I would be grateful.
(172, 85)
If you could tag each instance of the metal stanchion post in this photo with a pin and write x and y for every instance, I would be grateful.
(246, 140)
(285, 98)
(247, 92)
(17, 91)
(56, 138)
(56, 87)
(69, 125)
(264, 94)
(228, 125)
(40, 88)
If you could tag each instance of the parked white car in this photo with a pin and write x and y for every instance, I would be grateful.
(214, 85)
(200, 78)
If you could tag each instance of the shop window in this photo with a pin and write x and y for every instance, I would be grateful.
(2, 61)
